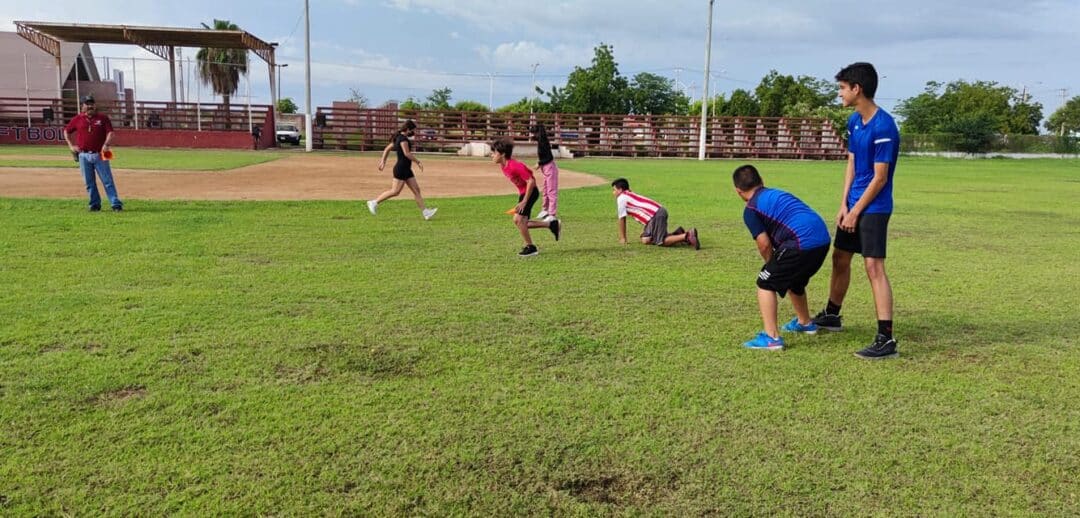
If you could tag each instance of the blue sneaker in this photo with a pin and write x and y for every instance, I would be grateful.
(795, 327)
(764, 341)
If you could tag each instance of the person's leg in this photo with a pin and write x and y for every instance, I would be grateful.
(535, 223)
(841, 276)
(802, 309)
(104, 171)
(87, 169)
(415, 188)
(522, 223)
(879, 284)
(551, 188)
(767, 305)
(394, 191)
(675, 239)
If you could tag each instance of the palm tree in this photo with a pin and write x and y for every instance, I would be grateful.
(221, 69)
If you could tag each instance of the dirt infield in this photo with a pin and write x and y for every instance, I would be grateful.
(304, 177)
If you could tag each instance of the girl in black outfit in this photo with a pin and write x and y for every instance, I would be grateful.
(403, 174)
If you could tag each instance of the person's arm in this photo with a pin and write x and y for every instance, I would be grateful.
(764, 246)
(881, 177)
(529, 186)
(408, 154)
(108, 141)
(68, 130)
(849, 178)
(622, 230)
(385, 152)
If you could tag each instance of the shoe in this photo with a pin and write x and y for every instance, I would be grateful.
(691, 237)
(678, 230)
(95, 209)
(528, 251)
(118, 208)
(543, 214)
(882, 349)
(795, 327)
(428, 213)
(372, 205)
(827, 322)
(554, 226)
(550, 217)
(764, 341)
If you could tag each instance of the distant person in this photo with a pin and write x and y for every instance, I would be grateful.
(546, 164)
(93, 133)
(256, 134)
(863, 220)
(652, 215)
(403, 174)
(502, 152)
(793, 240)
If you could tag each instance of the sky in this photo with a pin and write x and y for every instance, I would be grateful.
(485, 50)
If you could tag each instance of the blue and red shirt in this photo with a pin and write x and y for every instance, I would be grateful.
(789, 222)
(877, 141)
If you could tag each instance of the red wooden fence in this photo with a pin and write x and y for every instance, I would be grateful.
(142, 115)
(587, 134)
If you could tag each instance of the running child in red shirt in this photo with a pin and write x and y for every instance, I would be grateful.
(652, 215)
(522, 177)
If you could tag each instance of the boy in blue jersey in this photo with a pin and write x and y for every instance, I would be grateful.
(793, 240)
(863, 220)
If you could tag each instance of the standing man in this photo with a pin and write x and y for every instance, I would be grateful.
(863, 219)
(93, 133)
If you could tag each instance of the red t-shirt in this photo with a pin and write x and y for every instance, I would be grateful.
(89, 131)
(518, 174)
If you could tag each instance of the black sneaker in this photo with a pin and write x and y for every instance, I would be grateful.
(118, 208)
(95, 209)
(882, 348)
(553, 225)
(828, 322)
(528, 251)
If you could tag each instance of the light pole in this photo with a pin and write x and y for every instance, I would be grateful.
(307, 78)
(281, 66)
(705, 90)
(532, 93)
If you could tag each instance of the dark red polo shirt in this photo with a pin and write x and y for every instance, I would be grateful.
(90, 131)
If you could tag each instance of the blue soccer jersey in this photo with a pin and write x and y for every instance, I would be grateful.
(877, 141)
(789, 222)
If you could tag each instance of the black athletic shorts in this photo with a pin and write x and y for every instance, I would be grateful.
(403, 171)
(791, 269)
(527, 209)
(869, 238)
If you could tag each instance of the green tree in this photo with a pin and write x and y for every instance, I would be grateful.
(777, 93)
(286, 105)
(1065, 119)
(439, 99)
(923, 113)
(597, 89)
(960, 104)
(220, 69)
(741, 104)
(975, 132)
(650, 93)
(470, 106)
(526, 105)
(410, 104)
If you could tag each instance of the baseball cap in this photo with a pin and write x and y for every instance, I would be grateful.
(88, 99)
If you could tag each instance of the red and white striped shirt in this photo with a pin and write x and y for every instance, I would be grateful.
(636, 206)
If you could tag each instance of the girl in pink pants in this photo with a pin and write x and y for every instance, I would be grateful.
(550, 171)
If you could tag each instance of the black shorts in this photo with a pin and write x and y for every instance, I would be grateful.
(403, 171)
(527, 209)
(791, 269)
(869, 238)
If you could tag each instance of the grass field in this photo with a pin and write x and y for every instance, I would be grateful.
(307, 358)
(138, 158)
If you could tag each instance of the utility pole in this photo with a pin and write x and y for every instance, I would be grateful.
(491, 92)
(705, 90)
(532, 89)
(307, 78)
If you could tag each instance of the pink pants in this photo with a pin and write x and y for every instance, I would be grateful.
(551, 186)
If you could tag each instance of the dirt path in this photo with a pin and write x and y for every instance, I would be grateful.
(308, 177)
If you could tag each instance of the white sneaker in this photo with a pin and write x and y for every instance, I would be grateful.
(549, 218)
(543, 214)
(371, 205)
(428, 213)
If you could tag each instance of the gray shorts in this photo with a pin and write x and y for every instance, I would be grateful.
(656, 228)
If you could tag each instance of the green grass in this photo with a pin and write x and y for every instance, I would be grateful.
(306, 358)
(142, 158)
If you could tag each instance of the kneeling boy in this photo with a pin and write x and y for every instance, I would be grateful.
(648, 213)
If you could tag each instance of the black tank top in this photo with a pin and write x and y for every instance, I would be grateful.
(402, 160)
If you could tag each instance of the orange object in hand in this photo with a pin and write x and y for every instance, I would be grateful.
(107, 155)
